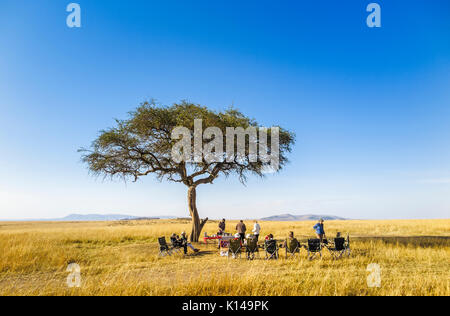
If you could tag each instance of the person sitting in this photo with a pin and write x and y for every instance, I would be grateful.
(269, 237)
(247, 237)
(271, 247)
(292, 240)
(186, 244)
(238, 236)
(178, 243)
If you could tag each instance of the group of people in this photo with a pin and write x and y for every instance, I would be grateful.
(241, 229)
(182, 242)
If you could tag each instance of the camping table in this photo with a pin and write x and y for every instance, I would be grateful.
(205, 239)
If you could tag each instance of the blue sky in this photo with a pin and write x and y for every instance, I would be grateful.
(370, 107)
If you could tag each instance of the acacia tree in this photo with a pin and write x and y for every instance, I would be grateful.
(143, 143)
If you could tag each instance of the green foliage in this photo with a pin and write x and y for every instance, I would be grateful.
(142, 145)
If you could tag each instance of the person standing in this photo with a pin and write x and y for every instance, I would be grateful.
(221, 231)
(241, 229)
(320, 231)
(222, 226)
(256, 230)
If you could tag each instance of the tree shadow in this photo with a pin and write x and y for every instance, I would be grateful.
(202, 253)
(415, 241)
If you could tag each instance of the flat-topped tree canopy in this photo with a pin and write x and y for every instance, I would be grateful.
(144, 144)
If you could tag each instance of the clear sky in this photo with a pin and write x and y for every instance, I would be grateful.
(370, 106)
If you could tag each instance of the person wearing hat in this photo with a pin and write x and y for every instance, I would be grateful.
(320, 231)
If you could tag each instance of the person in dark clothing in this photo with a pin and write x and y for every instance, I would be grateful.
(222, 226)
(241, 229)
(182, 242)
(177, 242)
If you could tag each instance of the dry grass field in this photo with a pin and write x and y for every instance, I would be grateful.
(120, 258)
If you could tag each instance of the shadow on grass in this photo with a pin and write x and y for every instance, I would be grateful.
(202, 253)
(415, 241)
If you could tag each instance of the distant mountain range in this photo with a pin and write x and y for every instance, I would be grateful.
(119, 217)
(94, 217)
(101, 218)
(307, 217)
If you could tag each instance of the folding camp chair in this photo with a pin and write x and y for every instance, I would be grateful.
(314, 248)
(252, 248)
(234, 249)
(347, 246)
(271, 248)
(292, 247)
(176, 247)
(164, 247)
(338, 249)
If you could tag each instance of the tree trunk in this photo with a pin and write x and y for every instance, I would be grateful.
(197, 223)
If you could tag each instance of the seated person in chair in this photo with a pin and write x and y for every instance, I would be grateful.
(186, 244)
(269, 237)
(178, 243)
(238, 236)
(247, 237)
(291, 239)
(271, 247)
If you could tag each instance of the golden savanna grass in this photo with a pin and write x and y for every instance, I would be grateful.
(120, 258)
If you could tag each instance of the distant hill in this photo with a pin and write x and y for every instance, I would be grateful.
(307, 217)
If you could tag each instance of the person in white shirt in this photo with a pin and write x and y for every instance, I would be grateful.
(256, 230)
